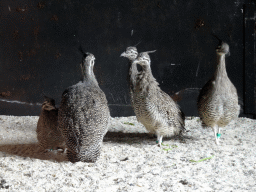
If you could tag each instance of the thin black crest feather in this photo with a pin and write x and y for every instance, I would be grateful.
(81, 50)
(220, 41)
(150, 51)
(46, 97)
(137, 44)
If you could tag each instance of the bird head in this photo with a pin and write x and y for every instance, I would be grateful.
(222, 48)
(131, 53)
(143, 59)
(89, 59)
(48, 104)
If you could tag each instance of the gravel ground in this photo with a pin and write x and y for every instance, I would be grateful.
(131, 161)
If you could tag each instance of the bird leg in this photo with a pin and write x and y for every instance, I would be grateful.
(159, 140)
(216, 134)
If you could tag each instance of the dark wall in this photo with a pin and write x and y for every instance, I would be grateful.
(39, 43)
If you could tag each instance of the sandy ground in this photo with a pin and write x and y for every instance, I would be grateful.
(131, 161)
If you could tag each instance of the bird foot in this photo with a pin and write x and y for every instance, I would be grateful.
(159, 140)
(159, 144)
(218, 138)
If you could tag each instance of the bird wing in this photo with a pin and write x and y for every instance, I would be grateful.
(66, 119)
(205, 91)
(79, 116)
(173, 111)
(166, 108)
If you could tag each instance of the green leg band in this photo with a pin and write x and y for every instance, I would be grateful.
(156, 142)
(218, 135)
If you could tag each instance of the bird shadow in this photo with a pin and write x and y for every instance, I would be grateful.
(35, 151)
(32, 151)
(130, 138)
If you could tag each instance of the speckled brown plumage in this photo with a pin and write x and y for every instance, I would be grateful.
(218, 101)
(84, 116)
(48, 134)
(154, 108)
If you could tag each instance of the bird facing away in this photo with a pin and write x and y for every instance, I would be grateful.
(48, 134)
(84, 116)
(218, 101)
(131, 53)
(154, 108)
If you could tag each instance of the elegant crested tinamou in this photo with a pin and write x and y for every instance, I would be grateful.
(218, 101)
(155, 109)
(84, 116)
(48, 134)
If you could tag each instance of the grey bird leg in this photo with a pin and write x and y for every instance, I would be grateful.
(159, 140)
(215, 134)
(218, 135)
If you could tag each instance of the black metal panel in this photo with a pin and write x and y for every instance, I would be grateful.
(39, 43)
(249, 51)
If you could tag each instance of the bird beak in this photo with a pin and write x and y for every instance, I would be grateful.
(123, 54)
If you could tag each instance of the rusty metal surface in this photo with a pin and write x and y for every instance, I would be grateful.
(39, 43)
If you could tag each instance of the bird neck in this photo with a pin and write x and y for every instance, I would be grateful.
(146, 80)
(88, 76)
(221, 67)
(147, 69)
(133, 66)
(132, 69)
